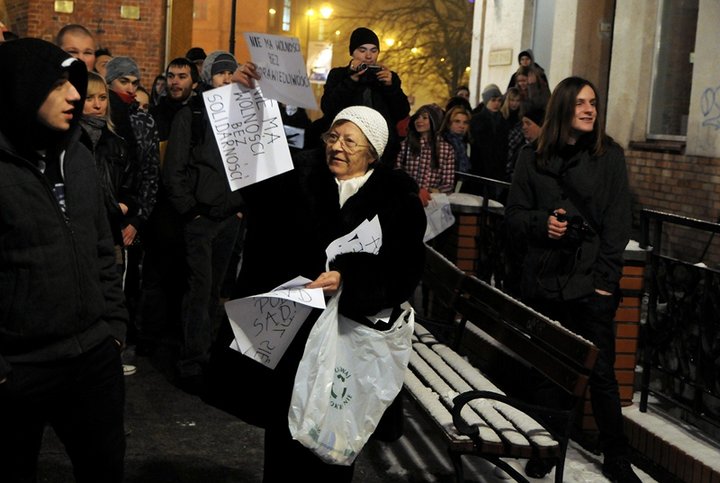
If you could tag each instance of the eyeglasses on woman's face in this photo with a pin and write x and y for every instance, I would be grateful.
(348, 144)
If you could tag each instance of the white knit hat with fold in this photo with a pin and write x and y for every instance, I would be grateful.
(371, 123)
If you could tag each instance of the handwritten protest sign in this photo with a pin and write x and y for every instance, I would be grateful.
(265, 324)
(282, 69)
(367, 237)
(249, 133)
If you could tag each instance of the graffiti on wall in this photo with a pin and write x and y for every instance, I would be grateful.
(710, 105)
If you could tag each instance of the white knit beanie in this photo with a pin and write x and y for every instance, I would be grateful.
(371, 123)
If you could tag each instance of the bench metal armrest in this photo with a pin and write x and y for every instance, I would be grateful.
(530, 409)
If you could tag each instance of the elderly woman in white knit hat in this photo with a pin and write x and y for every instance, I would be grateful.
(292, 219)
(351, 186)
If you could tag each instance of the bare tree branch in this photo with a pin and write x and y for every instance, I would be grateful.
(432, 39)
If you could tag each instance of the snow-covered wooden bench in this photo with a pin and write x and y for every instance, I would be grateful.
(472, 412)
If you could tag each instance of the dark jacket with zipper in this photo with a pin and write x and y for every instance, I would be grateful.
(60, 293)
(193, 173)
(593, 190)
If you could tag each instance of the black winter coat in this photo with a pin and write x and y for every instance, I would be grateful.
(193, 173)
(341, 91)
(60, 293)
(302, 215)
(586, 258)
(119, 181)
(489, 134)
(139, 131)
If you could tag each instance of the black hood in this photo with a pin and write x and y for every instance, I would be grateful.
(30, 69)
(527, 52)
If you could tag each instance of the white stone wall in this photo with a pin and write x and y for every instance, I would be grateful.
(508, 24)
(503, 30)
(703, 138)
(631, 69)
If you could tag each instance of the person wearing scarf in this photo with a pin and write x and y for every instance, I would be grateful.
(112, 161)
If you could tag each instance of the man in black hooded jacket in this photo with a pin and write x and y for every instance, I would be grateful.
(62, 318)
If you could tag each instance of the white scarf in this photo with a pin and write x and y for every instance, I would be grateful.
(348, 187)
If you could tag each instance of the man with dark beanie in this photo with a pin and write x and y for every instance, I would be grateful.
(364, 82)
(62, 318)
(197, 187)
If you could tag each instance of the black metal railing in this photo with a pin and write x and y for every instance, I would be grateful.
(497, 262)
(680, 340)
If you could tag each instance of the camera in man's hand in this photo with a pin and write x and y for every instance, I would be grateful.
(577, 228)
(370, 74)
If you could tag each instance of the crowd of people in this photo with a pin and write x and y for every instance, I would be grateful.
(119, 231)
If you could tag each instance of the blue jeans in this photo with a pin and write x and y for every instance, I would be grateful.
(82, 398)
(208, 248)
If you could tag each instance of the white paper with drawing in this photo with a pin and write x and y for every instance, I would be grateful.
(249, 133)
(265, 324)
(283, 75)
(439, 216)
(367, 237)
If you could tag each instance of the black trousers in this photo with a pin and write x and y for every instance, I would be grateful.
(593, 317)
(83, 400)
(208, 249)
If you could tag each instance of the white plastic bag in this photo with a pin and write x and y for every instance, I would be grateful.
(348, 376)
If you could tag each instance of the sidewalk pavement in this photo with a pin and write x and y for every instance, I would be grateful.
(175, 437)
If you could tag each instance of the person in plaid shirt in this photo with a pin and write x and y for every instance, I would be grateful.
(426, 156)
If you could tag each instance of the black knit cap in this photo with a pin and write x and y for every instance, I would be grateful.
(536, 115)
(196, 53)
(31, 67)
(362, 36)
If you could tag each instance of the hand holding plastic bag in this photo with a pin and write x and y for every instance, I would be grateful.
(348, 376)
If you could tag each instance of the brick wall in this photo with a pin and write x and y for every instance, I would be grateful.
(142, 39)
(627, 319)
(195, 23)
(683, 185)
(671, 456)
(17, 16)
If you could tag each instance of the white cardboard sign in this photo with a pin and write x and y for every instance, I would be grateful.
(282, 69)
(249, 133)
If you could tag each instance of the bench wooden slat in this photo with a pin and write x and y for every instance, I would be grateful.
(509, 340)
(520, 432)
(551, 363)
(548, 333)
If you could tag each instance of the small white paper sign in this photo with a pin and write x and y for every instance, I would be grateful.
(249, 133)
(295, 136)
(439, 216)
(264, 325)
(282, 69)
(367, 237)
